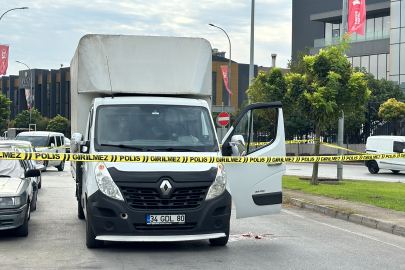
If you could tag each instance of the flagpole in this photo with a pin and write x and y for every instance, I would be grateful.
(342, 119)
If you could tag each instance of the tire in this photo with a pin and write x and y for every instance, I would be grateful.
(33, 203)
(22, 231)
(220, 242)
(61, 166)
(45, 165)
(395, 171)
(373, 167)
(80, 213)
(91, 241)
(40, 182)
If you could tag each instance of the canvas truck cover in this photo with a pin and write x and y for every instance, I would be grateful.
(150, 65)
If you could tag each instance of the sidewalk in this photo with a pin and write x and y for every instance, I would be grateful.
(383, 219)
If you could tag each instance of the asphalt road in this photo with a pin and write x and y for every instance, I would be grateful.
(350, 171)
(294, 239)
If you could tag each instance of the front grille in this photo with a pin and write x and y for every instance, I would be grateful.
(175, 227)
(151, 198)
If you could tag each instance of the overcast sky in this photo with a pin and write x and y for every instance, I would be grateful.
(46, 35)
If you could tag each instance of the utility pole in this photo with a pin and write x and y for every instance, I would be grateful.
(342, 119)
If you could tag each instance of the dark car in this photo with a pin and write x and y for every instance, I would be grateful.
(17, 195)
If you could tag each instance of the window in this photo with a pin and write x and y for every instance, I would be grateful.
(51, 141)
(395, 35)
(356, 62)
(386, 23)
(373, 65)
(57, 98)
(328, 30)
(395, 59)
(382, 66)
(378, 24)
(48, 99)
(365, 62)
(396, 14)
(370, 25)
(58, 141)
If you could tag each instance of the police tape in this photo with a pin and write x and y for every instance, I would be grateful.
(186, 159)
(338, 147)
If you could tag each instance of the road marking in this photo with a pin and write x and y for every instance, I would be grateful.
(359, 234)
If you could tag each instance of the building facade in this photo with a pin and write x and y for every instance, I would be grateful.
(51, 88)
(381, 50)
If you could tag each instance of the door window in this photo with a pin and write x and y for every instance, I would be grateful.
(256, 129)
(51, 141)
(58, 141)
(399, 147)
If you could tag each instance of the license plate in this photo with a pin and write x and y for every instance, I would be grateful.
(165, 219)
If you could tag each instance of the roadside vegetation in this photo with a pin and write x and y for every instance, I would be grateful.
(383, 194)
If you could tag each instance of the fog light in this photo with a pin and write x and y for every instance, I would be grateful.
(218, 223)
(109, 225)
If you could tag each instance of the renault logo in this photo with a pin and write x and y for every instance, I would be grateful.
(165, 187)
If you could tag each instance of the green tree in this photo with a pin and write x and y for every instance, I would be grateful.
(22, 119)
(327, 87)
(43, 124)
(394, 111)
(4, 113)
(59, 124)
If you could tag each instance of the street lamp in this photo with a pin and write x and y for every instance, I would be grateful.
(11, 10)
(30, 101)
(230, 66)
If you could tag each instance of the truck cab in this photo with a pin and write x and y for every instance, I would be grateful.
(158, 201)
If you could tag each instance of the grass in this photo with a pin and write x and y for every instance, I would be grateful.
(386, 194)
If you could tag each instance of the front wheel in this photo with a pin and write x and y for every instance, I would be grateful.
(220, 242)
(80, 212)
(22, 231)
(91, 241)
(61, 166)
(395, 171)
(373, 167)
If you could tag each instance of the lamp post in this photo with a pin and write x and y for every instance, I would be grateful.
(230, 64)
(30, 100)
(11, 10)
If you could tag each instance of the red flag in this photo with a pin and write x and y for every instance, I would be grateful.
(357, 16)
(4, 59)
(225, 76)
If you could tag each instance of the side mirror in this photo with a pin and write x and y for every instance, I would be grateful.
(32, 173)
(76, 142)
(238, 146)
(86, 147)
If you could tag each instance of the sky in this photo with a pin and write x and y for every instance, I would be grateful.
(46, 35)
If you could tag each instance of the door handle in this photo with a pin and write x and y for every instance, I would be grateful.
(274, 164)
(57, 151)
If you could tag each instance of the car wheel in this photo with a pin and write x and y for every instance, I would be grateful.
(61, 166)
(220, 241)
(33, 204)
(40, 182)
(91, 241)
(80, 212)
(22, 231)
(395, 171)
(373, 167)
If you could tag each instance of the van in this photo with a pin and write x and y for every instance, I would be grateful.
(378, 145)
(47, 142)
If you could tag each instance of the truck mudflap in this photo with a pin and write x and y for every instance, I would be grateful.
(114, 220)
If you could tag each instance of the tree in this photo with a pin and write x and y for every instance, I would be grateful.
(4, 113)
(327, 87)
(394, 111)
(43, 124)
(22, 119)
(60, 124)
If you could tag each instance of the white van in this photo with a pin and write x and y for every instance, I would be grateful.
(385, 145)
(48, 142)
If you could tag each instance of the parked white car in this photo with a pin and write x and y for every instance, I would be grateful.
(48, 142)
(378, 145)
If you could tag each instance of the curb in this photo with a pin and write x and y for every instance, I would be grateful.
(354, 218)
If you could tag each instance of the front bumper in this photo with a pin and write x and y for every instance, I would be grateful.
(210, 220)
(11, 218)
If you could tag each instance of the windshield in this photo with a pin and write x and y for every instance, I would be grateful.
(35, 140)
(154, 128)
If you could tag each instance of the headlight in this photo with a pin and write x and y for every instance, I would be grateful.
(10, 201)
(106, 184)
(219, 185)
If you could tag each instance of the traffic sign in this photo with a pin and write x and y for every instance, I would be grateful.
(223, 119)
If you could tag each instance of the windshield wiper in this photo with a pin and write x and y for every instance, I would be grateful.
(171, 149)
(5, 176)
(143, 149)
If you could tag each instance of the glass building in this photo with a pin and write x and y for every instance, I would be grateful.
(381, 50)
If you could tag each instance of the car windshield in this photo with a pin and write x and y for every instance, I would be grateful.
(154, 128)
(24, 147)
(35, 140)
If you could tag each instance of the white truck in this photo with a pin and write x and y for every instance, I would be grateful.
(145, 95)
